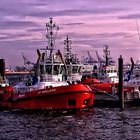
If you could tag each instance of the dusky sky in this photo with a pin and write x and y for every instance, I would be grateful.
(90, 25)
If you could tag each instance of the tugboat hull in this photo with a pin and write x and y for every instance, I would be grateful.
(77, 96)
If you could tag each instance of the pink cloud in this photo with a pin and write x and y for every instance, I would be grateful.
(90, 24)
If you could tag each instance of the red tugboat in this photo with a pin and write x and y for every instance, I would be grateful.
(108, 82)
(47, 89)
(72, 62)
(105, 78)
(100, 87)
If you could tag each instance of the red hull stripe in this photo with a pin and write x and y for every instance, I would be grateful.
(58, 94)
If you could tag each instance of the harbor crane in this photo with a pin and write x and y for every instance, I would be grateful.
(100, 60)
(27, 61)
(91, 60)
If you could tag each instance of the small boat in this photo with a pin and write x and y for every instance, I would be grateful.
(47, 89)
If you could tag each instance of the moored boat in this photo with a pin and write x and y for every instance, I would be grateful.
(104, 78)
(47, 89)
(72, 62)
(99, 87)
(131, 85)
(74, 96)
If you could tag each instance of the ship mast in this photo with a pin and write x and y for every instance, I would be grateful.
(107, 55)
(67, 50)
(69, 57)
(52, 29)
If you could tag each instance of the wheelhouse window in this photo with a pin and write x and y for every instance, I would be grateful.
(56, 69)
(79, 69)
(49, 69)
(69, 69)
(75, 69)
(61, 69)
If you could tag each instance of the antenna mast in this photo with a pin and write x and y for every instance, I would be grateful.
(107, 55)
(67, 49)
(52, 29)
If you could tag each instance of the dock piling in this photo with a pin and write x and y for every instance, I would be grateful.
(2, 68)
(121, 91)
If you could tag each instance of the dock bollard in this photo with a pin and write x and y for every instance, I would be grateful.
(121, 91)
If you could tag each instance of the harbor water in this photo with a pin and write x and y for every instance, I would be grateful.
(93, 124)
